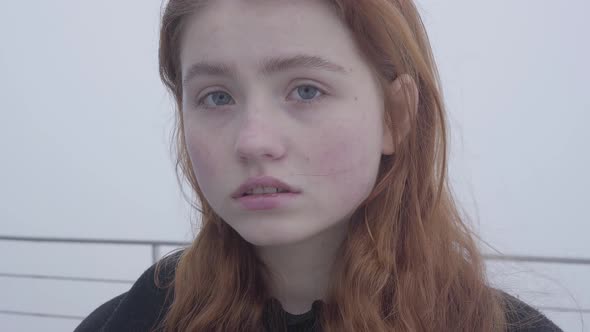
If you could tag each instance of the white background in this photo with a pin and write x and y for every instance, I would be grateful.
(85, 128)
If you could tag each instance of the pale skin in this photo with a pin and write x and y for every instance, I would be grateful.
(319, 128)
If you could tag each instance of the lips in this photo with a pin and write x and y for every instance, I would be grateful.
(263, 181)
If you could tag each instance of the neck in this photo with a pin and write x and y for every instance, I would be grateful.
(301, 271)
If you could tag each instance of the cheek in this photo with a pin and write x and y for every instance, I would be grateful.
(349, 164)
(205, 167)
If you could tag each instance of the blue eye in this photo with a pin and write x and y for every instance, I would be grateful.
(308, 94)
(219, 98)
(307, 91)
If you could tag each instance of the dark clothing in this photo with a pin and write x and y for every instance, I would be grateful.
(140, 308)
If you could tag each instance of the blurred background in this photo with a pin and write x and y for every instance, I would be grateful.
(89, 199)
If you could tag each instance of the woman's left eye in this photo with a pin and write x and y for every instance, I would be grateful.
(307, 94)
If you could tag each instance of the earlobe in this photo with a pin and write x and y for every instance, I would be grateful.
(404, 93)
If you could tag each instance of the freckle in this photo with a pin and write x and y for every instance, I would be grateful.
(355, 98)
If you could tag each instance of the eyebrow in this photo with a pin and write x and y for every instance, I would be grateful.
(267, 67)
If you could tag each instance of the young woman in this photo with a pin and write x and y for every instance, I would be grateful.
(313, 133)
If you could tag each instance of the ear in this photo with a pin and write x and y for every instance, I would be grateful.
(404, 102)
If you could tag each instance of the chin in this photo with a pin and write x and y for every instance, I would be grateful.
(273, 235)
(270, 240)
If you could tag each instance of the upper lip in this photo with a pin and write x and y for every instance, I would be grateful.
(262, 181)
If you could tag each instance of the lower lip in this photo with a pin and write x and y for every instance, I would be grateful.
(265, 201)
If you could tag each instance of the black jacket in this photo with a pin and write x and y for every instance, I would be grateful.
(140, 308)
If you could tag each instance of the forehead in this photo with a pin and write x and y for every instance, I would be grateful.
(242, 32)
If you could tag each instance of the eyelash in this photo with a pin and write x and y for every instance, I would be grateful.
(200, 102)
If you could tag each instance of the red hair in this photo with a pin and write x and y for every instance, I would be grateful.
(409, 262)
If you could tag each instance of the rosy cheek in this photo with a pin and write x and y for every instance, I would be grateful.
(338, 150)
(345, 177)
(333, 158)
(203, 164)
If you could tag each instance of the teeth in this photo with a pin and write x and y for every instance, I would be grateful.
(264, 190)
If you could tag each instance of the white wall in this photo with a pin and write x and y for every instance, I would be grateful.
(86, 124)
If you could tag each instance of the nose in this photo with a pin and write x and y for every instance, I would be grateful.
(258, 138)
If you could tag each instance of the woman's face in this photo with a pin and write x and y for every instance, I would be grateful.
(278, 88)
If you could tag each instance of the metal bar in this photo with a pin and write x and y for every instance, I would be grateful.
(539, 259)
(519, 258)
(45, 315)
(48, 277)
(559, 309)
(91, 241)
(154, 253)
(38, 314)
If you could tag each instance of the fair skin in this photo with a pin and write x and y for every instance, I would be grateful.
(318, 129)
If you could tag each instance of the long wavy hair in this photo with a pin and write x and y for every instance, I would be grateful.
(409, 261)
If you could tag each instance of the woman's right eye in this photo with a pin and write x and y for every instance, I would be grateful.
(215, 99)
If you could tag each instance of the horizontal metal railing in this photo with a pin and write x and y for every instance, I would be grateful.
(539, 259)
(155, 245)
